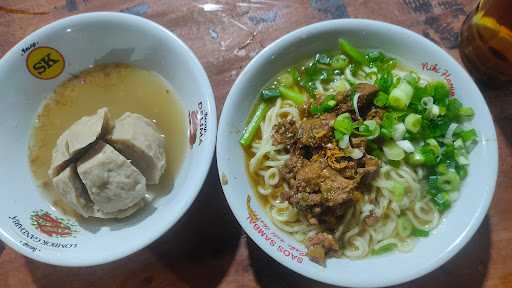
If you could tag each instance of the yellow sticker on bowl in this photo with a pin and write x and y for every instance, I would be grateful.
(45, 63)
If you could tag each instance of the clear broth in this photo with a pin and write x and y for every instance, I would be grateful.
(122, 88)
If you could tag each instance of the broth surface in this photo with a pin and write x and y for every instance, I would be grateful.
(122, 88)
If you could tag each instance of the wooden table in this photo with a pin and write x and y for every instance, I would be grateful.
(207, 248)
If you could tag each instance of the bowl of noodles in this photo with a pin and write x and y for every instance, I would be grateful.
(357, 153)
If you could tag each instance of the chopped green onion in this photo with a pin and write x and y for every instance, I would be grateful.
(415, 158)
(385, 81)
(400, 96)
(254, 124)
(384, 249)
(393, 151)
(343, 123)
(289, 94)
(458, 144)
(338, 135)
(269, 94)
(432, 143)
(348, 75)
(344, 141)
(406, 145)
(432, 111)
(426, 102)
(375, 57)
(442, 168)
(339, 62)
(412, 78)
(466, 112)
(405, 226)
(381, 100)
(462, 171)
(322, 59)
(398, 131)
(425, 155)
(442, 201)
(468, 135)
(419, 232)
(449, 181)
(286, 79)
(389, 120)
(340, 85)
(449, 132)
(398, 190)
(352, 52)
(315, 109)
(462, 160)
(453, 107)
(295, 74)
(413, 122)
(328, 103)
(369, 129)
(309, 86)
(440, 92)
(432, 183)
(428, 154)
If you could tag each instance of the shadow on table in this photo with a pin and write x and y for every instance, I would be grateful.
(269, 273)
(2, 247)
(196, 252)
(468, 268)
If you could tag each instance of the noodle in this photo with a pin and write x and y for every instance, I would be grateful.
(356, 238)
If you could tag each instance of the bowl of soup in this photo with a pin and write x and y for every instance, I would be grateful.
(109, 122)
(357, 153)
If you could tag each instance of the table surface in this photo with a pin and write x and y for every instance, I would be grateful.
(225, 36)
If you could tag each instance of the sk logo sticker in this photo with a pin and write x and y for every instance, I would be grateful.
(45, 63)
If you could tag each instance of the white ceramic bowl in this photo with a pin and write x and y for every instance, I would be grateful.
(459, 223)
(82, 41)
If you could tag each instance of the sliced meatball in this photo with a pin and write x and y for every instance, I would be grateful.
(73, 191)
(138, 139)
(112, 182)
(119, 213)
(81, 134)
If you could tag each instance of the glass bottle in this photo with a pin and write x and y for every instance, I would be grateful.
(486, 43)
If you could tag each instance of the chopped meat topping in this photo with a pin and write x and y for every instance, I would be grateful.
(358, 142)
(316, 131)
(376, 114)
(284, 132)
(344, 105)
(323, 179)
(367, 93)
(315, 182)
(337, 159)
(319, 245)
